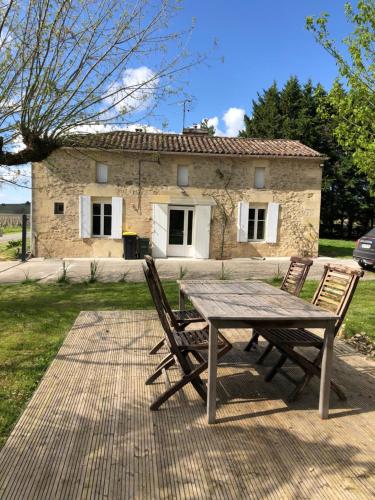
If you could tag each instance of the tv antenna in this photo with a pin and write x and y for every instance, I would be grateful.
(184, 111)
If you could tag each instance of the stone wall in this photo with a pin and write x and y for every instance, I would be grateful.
(143, 180)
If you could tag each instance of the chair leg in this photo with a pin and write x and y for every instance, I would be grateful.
(200, 387)
(266, 352)
(164, 360)
(276, 368)
(157, 347)
(253, 341)
(300, 387)
(168, 363)
(186, 379)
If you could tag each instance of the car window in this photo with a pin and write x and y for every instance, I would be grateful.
(371, 233)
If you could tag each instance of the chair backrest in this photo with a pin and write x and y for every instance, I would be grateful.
(296, 275)
(155, 294)
(155, 277)
(336, 290)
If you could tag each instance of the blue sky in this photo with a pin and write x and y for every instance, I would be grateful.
(260, 41)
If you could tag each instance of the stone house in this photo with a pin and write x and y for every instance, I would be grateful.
(191, 194)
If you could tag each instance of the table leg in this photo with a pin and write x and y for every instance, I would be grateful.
(181, 300)
(326, 371)
(212, 374)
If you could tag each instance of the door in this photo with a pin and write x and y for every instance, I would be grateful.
(180, 231)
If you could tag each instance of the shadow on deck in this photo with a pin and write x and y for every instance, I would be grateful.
(88, 433)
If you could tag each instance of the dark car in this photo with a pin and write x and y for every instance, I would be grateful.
(364, 252)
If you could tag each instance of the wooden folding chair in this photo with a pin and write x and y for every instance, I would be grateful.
(178, 319)
(334, 293)
(181, 344)
(293, 282)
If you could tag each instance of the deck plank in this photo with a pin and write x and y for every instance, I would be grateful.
(87, 432)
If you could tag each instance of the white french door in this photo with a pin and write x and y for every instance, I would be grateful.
(180, 231)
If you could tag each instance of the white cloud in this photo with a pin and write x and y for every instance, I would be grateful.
(99, 128)
(233, 120)
(214, 121)
(135, 91)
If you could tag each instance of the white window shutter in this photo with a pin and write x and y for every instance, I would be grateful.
(101, 173)
(242, 221)
(272, 222)
(85, 217)
(159, 229)
(116, 218)
(182, 176)
(202, 226)
(259, 180)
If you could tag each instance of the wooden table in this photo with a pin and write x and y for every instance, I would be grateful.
(250, 304)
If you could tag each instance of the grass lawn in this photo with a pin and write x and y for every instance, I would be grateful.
(11, 229)
(7, 253)
(36, 317)
(336, 248)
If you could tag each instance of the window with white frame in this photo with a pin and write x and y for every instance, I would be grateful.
(257, 224)
(259, 178)
(182, 176)
(101, 173)
(101, 219)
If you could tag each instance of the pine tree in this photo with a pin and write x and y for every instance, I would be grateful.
(304, 113)
(291, 102)
(266, 119)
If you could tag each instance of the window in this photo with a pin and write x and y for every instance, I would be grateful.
(257, 223)
(101, 219)
(58, 208)
(101, 173)
(182, 176)
(259, 180)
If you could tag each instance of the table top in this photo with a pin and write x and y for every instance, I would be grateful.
(252, 301)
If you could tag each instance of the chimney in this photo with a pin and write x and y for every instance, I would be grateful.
(195, 131)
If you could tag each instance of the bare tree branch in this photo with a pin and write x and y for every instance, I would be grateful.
(65, 64)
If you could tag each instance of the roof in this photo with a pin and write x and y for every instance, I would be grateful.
(190, 144)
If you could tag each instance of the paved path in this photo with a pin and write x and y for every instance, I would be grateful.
(10, 236)
(88, 433)
(110, 270)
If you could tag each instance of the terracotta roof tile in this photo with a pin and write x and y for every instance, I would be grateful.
(189, 143)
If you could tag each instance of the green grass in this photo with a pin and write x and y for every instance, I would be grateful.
(35, 319)
(11, 229)
(336, 248)
(7, 253)
(12, 253)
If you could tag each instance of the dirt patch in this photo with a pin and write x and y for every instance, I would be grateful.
(363, 344)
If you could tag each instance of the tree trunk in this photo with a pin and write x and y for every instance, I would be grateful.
(36, 149)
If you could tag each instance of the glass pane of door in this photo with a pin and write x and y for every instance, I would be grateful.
(190, 228)
(176, 227)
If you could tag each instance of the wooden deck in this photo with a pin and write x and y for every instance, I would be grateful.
(88, 433)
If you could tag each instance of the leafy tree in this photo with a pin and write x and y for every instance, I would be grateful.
(291, 105)
(266, 117)
(304, 112)
(79, 65)
(205, 126)
(352, 97)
